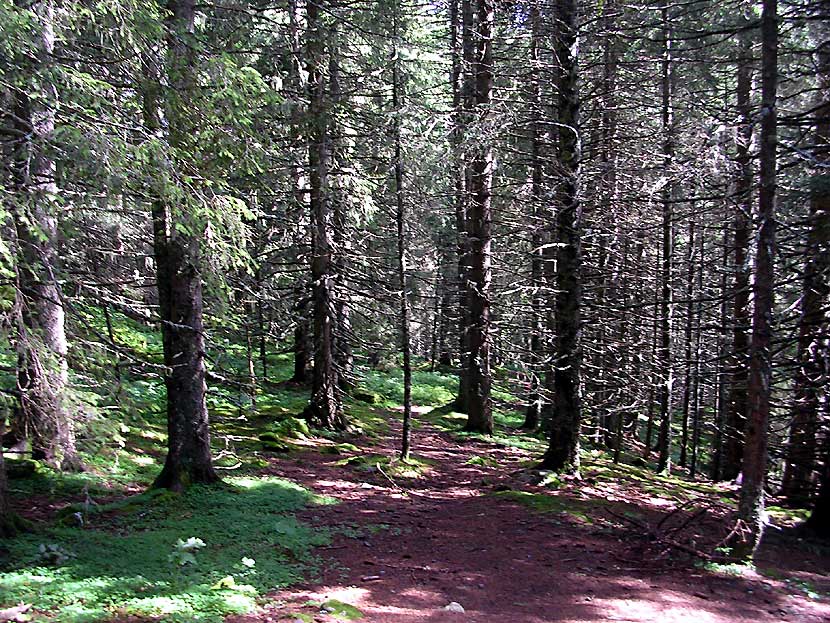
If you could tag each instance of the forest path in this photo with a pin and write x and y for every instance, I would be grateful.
(406, 548)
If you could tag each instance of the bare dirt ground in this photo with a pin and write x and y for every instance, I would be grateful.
(410, 547)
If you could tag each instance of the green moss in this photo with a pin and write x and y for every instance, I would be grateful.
(249, 531)
(482, 461)
(788, 516)
(539, 502)
(341, 610)
(368, 397)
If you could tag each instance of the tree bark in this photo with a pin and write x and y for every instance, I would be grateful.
(176, 245)
(533, 411)
(463, 88)
(688, 377)
(666, 372)
(403, 277)
(8, 520)
(566, 417)
(325, 408)
(819, 520)
(479, 224)
(751, 505)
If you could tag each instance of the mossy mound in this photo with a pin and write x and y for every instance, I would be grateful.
(271, 442)
(291, 428)
(341, 610)
(366, 396)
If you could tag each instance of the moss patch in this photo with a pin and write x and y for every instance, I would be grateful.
(341, 610)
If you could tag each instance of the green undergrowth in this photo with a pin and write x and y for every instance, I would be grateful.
(428, 388)
(413, 467)
(143, 556)
(507, 432)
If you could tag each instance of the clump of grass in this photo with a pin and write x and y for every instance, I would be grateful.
(249, 533)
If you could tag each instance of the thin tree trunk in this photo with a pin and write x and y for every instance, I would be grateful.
(696, 385)
(342, 332)
(715, 469)
(667, 297)
(654, 376)
(736, 413)
(533, 412)
(9, 524)
(751, 505)
(403, 280)
(116, 365)
(463, 102)
(690, 317)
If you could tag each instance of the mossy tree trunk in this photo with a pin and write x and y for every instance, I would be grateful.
(43, 372)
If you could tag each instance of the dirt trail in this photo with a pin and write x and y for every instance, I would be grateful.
(446, 539)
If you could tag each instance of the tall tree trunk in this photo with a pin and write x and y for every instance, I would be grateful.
(463, 89)
(177, 254)
(566, 417)
(479, 224)
(403, 278)
(737, 407)
(533, 412)
(300, 232)
(696, 384)
(666, 389)
(43, 371)
(811, 377)
(325, 408)
(342, 333)
(751, 505)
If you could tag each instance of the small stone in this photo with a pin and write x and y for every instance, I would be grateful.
(454, 606)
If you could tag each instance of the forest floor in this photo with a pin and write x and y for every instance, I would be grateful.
(470, 524)
(315, 529)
